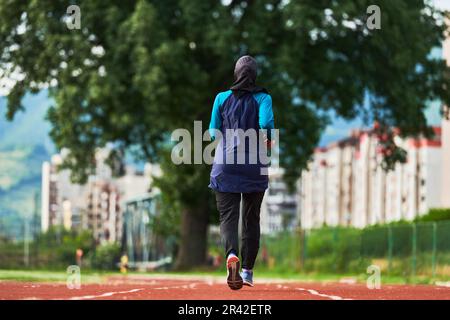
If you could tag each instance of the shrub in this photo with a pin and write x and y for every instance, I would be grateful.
(106, 257)
(435, 215)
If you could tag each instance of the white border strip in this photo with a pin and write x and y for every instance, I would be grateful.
(104, 295)
(316, 293)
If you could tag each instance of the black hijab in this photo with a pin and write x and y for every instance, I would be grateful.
(245, 77)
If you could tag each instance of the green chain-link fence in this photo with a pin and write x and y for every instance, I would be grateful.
(406, 250)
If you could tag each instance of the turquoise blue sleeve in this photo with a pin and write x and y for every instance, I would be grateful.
(216, 118)
(266, 118)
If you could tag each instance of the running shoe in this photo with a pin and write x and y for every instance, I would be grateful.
(234, 279)
(247, 277)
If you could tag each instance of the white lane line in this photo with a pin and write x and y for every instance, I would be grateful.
(104, 295)
(316, 293)
(186, 286)
(442, 284)
(109, 294)
(280, 286)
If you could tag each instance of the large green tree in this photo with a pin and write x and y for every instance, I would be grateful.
(136, 70)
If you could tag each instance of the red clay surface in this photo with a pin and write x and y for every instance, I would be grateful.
(135, 288)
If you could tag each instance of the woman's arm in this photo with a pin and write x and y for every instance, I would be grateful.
(216, 119)
(266, 118)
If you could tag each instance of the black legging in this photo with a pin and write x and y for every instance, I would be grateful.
(228, 205)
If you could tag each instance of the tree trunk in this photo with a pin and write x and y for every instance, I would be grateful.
(193, 240)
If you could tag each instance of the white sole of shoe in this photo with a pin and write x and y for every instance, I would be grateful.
(234, 279)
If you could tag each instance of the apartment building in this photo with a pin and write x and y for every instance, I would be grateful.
(445, 197)
(279, 207)
(99, 204)
(346, 185)
(61, 201)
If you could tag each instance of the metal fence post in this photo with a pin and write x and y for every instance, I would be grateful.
(390, 247)
(305, 248)
(335, 239)
(414, 250)
(433, 256)
(295, 249)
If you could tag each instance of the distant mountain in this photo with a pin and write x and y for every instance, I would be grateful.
(28, 128)
(18, 203)
(24, 145)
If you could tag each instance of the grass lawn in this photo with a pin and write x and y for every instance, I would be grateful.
(90, 276)
(47, 275)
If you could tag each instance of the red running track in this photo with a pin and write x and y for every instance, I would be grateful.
(176, 288)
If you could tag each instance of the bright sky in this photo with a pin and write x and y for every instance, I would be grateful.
(442, 4)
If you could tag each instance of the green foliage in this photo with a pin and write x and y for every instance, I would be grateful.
(283, 249)
(166, 223)
(56, 249)
(335, 246)
(436, 215)
(10, 255)
(106, 257)
(347, 250)
(166, 60)
(136, 70)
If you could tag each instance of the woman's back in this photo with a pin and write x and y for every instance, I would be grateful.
(237, 163)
